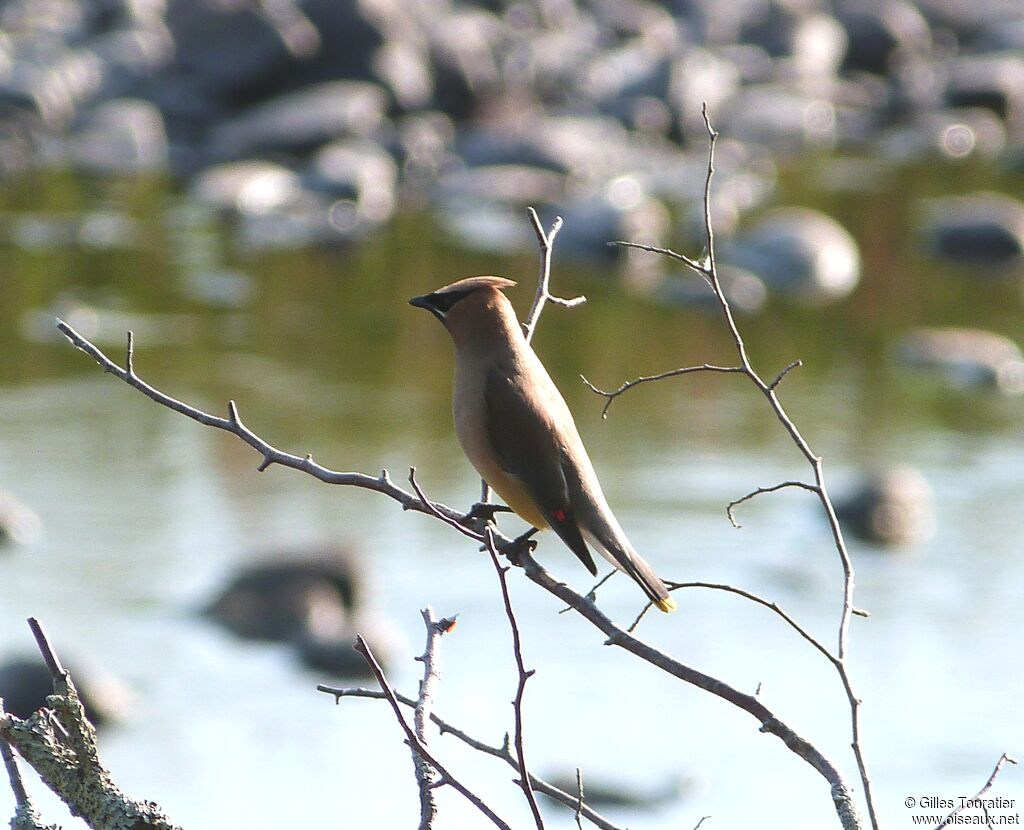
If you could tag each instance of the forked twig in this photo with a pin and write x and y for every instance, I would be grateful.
(524, 676)
(1003, 760)
(414, 742)
(707, 268)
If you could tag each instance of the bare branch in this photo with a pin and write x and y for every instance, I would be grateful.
(771, 605)
(524, 676)
(773, 488)
(414, 742)
(770, 723)
(707, 268)
(1003, 760)
(59, 743)
(579, 791)
(501, 752)
(271, 455)
(546, 242)
(693, 264)
(13, 773)
(25, 815)
(671, 373)
(435, 511)
(778, 378)
(592, 593)
(425, 777)
(57, 671)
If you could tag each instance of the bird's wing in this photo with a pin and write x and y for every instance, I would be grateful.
(526, 444)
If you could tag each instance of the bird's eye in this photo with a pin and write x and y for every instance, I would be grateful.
(444, 302)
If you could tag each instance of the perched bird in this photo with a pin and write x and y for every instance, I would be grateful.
(516, 429)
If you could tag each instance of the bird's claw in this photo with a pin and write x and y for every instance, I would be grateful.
(514, 550)
(482, 514)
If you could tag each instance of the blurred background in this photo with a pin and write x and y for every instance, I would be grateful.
(256, 188)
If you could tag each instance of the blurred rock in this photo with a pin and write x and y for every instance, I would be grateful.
(123, 136)
(333, 651)
(18, 522)
(100, 230)
(948, 133)
(313, 600)
(360, 171)
(309, 220)
(800, 253)
(994, 81)
(877, 31)
(25, 683)
(895, 507)
(982, 229)
(813, 44)
(966, 358)
(622, 210)
(484, 207)
(603, 793)
(779, 116)
(285, 599)
(247, 186)
(224, 288)
(53, 83)
(300, 121)
(239, 51)
(746, 292)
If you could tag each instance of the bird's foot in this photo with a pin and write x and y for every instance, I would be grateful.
(521, 544)
(481, 514)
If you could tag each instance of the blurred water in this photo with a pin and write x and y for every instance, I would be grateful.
(145, 513)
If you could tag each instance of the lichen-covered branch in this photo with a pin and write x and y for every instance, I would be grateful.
(59, 743)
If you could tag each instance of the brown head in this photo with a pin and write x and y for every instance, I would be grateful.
(473, 309)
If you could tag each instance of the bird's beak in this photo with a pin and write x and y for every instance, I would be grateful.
(425, 301)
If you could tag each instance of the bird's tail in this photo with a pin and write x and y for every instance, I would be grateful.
(627, 560)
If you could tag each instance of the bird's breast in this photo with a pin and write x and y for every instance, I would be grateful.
(470, 411)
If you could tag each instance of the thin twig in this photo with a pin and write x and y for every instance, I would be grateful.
(778, 378)
(579, 792)
(270, 454)
(501, 752)
(760, 490)
(771, 605)
(414, 742)
(436, 511)
(707, 268)
(13, 773)
(546, 241)
(700, 267)
(1003, 759)
(524, 676)
(425, 776)
(592, 593)
(57, 671)
(845, 807)
(770, 722)
(671, 373)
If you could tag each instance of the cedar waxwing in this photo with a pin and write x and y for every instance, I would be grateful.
(516, 429)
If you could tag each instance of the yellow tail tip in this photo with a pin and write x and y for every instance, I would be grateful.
(667, 605)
